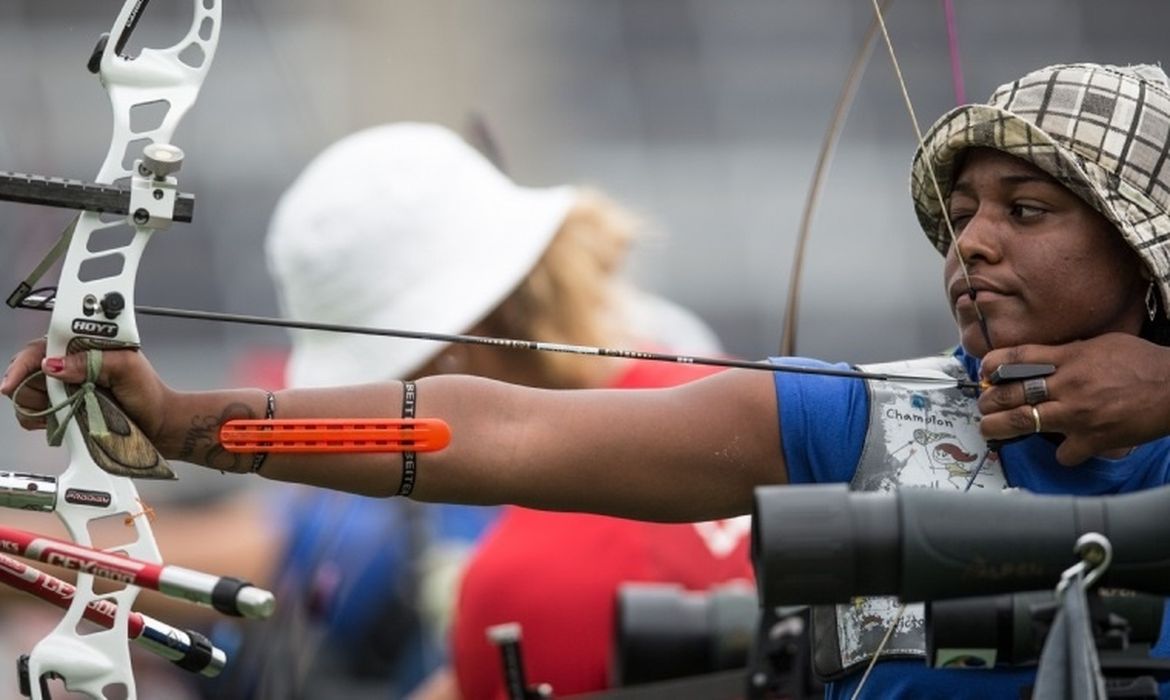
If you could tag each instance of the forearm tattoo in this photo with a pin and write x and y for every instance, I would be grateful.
(203, 436)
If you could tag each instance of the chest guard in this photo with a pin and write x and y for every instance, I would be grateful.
(915, 439)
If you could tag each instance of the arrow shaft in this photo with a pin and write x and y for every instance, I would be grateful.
(45, 302)
(226, 595)
(169, 642)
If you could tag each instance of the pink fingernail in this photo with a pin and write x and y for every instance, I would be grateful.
(54, 365)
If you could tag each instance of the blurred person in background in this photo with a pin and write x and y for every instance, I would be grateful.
(407, 226)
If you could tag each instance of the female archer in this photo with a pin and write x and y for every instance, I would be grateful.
(1050, 204)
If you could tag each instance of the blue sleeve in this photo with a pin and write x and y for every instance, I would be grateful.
(823, 421)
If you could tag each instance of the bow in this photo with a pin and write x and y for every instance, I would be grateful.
(829, 144)
(817, 183)
(94, 309)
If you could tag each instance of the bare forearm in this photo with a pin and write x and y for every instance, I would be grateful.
(635, 453)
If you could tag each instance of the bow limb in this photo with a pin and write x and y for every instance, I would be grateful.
(94, 307)
(833, 134)
(820, 174)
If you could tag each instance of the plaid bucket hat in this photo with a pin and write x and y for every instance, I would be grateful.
(1101, 131)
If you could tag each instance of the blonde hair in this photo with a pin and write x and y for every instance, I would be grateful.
(570, 296)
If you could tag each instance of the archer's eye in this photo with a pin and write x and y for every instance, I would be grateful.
(1020, 210)
(959, 219)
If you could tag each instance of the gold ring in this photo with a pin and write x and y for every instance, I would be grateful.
(1036, 418)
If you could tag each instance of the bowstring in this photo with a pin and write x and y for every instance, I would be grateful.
(934, 183)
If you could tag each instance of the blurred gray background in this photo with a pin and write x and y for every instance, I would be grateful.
(704, 116)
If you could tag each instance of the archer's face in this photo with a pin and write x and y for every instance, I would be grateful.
(1046, 267)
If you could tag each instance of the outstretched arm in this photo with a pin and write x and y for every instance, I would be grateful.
(692, 452)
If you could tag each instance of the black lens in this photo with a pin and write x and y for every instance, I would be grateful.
(665, 631)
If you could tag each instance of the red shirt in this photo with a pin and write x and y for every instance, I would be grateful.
(557, 574)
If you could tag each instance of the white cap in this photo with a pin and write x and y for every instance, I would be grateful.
(400, 226)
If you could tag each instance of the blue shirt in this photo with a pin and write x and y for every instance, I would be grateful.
(823, 424)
